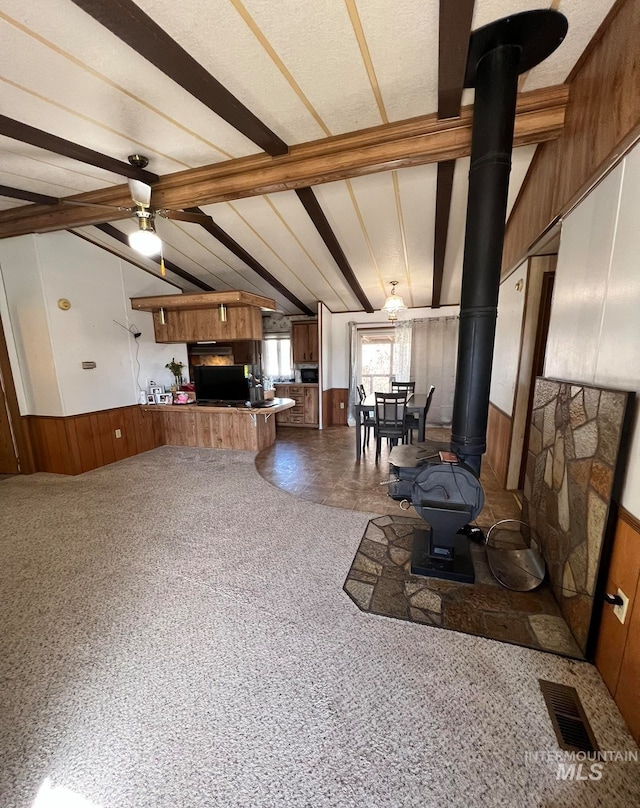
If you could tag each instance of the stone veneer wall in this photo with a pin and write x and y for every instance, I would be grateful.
(571, 465)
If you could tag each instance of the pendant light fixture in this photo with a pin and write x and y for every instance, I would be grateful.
(394, 303)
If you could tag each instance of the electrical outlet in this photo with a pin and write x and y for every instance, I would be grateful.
(342, 405)
(118, 433)
(621, 611)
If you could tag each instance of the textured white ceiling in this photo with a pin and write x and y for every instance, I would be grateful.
(307, 69)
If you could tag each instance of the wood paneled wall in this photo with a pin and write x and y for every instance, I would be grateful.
(602, 114)
(498, 443)
(618, 650)
(78, 443)
(332, 413)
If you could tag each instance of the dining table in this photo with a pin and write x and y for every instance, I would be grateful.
(416, 404)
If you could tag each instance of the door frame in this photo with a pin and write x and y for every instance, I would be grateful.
(538, 266)
(19, 423)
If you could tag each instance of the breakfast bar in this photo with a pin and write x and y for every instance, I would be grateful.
(248, 428)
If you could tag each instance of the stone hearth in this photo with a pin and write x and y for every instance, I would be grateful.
(380, 582)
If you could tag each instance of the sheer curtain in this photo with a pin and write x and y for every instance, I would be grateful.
(353, 369)
(434, 349)
(402, 334)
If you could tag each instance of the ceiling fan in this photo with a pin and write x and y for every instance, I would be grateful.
(145, 240)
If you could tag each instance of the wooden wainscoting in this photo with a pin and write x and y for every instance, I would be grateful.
(332, 413)
(77, 443)
(499, 428)
(618, 649)
(214, 428)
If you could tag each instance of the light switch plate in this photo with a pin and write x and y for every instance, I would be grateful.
(621, 611)
(118, 433)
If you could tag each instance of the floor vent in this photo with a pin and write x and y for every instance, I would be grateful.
(568, 717)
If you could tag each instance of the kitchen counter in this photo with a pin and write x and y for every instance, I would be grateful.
(295, 384)
(250, 428)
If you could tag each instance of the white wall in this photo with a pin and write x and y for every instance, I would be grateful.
(594, 333)
(152, 356)
(51, 344)
(508, 340)
(339, 376)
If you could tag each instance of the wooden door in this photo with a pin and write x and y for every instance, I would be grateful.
(15, 446)
(8, 459)
(542, 332)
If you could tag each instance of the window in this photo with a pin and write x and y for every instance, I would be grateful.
(276, 356)
(376, 359)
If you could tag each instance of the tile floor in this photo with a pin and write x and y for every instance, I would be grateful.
(320, 466)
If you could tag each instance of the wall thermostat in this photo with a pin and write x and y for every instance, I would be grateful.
(64, 304)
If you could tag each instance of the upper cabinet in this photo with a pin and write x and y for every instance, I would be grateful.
(304, 341)
(202, 316)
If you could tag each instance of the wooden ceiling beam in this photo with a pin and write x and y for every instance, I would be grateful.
(119, 255)
(16, 130)
(539, 117)
(453, 45)
(232, 245)
(444, 188)
(454, 31)
(316, 214)
(112, 231)
(130, 24)
(27, 196)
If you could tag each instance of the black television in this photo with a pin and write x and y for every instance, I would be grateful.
(227, 383)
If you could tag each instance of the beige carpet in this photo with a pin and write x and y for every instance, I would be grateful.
(175, 634)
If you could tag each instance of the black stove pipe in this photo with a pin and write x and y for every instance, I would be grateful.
(497, 54)
(491, 147)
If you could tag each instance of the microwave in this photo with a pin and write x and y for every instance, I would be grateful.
(309, 375)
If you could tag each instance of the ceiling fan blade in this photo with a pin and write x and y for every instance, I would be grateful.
(64, 201)
(183, 216)
(140, 193)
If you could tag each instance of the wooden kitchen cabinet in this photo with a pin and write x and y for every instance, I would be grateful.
(304, 341)
(306, 409)
(311, 406)
(242, 323)
(206, 316)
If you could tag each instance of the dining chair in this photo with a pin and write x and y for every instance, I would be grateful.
(410, 387)
(390, 418)
(399, 387)
(413, 419)
(367, 417)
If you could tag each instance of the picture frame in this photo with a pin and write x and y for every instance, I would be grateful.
(155, 391)
(151, 399)
(164, 398)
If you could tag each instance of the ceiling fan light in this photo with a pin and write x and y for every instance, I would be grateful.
(145, 240)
